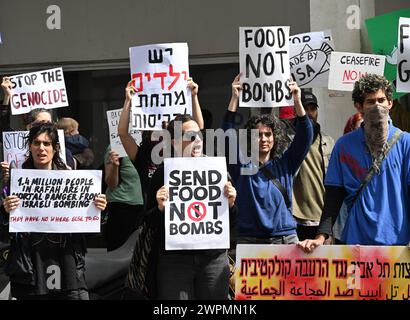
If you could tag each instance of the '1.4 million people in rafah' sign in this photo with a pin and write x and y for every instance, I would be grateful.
(159, 73)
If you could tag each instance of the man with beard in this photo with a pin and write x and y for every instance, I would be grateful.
(378, 214)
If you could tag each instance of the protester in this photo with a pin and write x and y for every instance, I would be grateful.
(125, 199)
(378, 212)
(187, 274)
(31, 118)
(308, 185)
(141, 155)
(264, 211)
(4, 126)
(31, 254)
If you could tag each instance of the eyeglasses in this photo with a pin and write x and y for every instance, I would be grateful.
(192, 135)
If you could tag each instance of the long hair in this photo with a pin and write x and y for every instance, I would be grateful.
(51, 130)
(278, 131)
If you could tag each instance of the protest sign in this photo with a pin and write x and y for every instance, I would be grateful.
(15, 150)
(196, 213)
(285, 272)
(42, 89)
(310, 59)
(113, 118)
(382, 31)
(58, 201)
(264, 65)
(159, 73)
(403, 56)
(346, 68)
(301, 38)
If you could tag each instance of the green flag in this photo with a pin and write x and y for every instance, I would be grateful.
(383, 35)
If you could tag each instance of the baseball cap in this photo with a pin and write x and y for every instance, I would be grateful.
(309, 97)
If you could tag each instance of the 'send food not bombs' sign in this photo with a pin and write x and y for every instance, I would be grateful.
(196, 213)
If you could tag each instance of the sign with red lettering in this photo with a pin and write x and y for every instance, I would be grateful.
(335, 272)
(346, 68)
(159, 73)
(264, 65)
(196, 213)
(57, 201)
(42, 89)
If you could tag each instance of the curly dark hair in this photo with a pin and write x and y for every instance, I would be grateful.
(51, 130)
(278, 131)
(371, 83)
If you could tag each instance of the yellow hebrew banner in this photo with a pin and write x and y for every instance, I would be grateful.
(334, 272)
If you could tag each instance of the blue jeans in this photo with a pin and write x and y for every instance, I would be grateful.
(290, 239)
(202, 276)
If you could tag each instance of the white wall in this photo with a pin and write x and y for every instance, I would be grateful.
(337, 106)
(99, 32)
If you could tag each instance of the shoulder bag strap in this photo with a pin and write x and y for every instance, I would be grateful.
(277, 184)
(372, 170)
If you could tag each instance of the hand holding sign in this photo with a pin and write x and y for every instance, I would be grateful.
(5, 171)
(236, 87)
(129, 91)
(230, 193)
(11, 203)
(193, 86)
(6, 85)
(162, 197)
(100, 202)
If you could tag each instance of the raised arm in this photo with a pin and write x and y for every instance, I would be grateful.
(236, 91)
(296, 92)
(126, 138)
(196, 108)
(112, 165)
(6, 86)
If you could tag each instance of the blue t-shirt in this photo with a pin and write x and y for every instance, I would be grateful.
(380, 216)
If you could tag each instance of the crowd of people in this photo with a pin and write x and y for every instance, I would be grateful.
(306, 189)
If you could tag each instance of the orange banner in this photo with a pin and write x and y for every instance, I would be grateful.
(285, 272)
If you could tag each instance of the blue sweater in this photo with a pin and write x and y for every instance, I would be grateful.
(262, 211)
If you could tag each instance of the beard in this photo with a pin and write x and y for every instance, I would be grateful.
(376, 130)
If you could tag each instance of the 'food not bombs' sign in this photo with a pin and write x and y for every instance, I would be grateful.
(197, 213)
(264, 65)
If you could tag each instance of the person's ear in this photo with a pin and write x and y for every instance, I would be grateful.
(390, 105)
